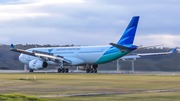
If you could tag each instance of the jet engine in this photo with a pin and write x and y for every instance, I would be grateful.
(37, 64)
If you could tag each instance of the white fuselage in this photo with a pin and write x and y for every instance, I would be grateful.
(78, 55)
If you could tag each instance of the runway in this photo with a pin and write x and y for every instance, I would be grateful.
(99, 72)
(110, 93)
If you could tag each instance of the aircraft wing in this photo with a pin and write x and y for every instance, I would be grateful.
(43, 55)
(145, 54)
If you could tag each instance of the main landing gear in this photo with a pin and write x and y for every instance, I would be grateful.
(93, 69)
(63, 70)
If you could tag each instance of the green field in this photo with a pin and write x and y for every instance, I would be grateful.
(57, 84)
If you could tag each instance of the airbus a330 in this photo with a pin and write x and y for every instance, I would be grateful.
(86, 57)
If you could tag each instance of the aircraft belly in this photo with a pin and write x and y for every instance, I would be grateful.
(90, 58)
(111, 57)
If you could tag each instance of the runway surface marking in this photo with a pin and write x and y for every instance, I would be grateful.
(110, 93)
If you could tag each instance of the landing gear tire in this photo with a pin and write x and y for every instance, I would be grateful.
(91, 70)
(67, 70)
(95, 66)
(63, 70)
(87, 70)
(95, 70)
(31, 70)
(59, 70)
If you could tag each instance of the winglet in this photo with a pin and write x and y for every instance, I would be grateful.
(173, 50)
(12, 46)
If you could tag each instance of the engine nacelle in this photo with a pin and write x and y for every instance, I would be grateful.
(37, 64)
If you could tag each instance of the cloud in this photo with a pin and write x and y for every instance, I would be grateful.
(87, 21)
(153, 39)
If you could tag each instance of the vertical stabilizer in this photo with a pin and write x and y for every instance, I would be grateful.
(128, 35)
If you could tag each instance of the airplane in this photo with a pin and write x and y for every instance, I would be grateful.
(86, 57)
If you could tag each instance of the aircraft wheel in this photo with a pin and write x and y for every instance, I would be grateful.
(59, 70)
(91, 70)
(31, 70)
(87, 70)
(67, 70)
(63, 70)
(95, 70)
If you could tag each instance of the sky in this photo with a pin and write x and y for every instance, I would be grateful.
(88, 22)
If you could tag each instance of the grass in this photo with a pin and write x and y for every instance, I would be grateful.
(53, 84)
(18, 97)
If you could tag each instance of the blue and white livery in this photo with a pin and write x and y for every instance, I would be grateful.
(86, 57)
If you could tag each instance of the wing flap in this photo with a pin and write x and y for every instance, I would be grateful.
(23, 51)
(54, 58)
(160, 53)
(146, 54)
(44, 55)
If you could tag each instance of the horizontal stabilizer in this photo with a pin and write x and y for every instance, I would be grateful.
(118, 46)
(121, 48)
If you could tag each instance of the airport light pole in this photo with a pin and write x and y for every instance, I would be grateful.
(132, 66)
(118, 66)
(25, 67)
(77, 69)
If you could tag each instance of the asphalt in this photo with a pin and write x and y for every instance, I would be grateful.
(110, 93)
(99, 72)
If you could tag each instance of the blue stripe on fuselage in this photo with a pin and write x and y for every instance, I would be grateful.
(112, 54)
